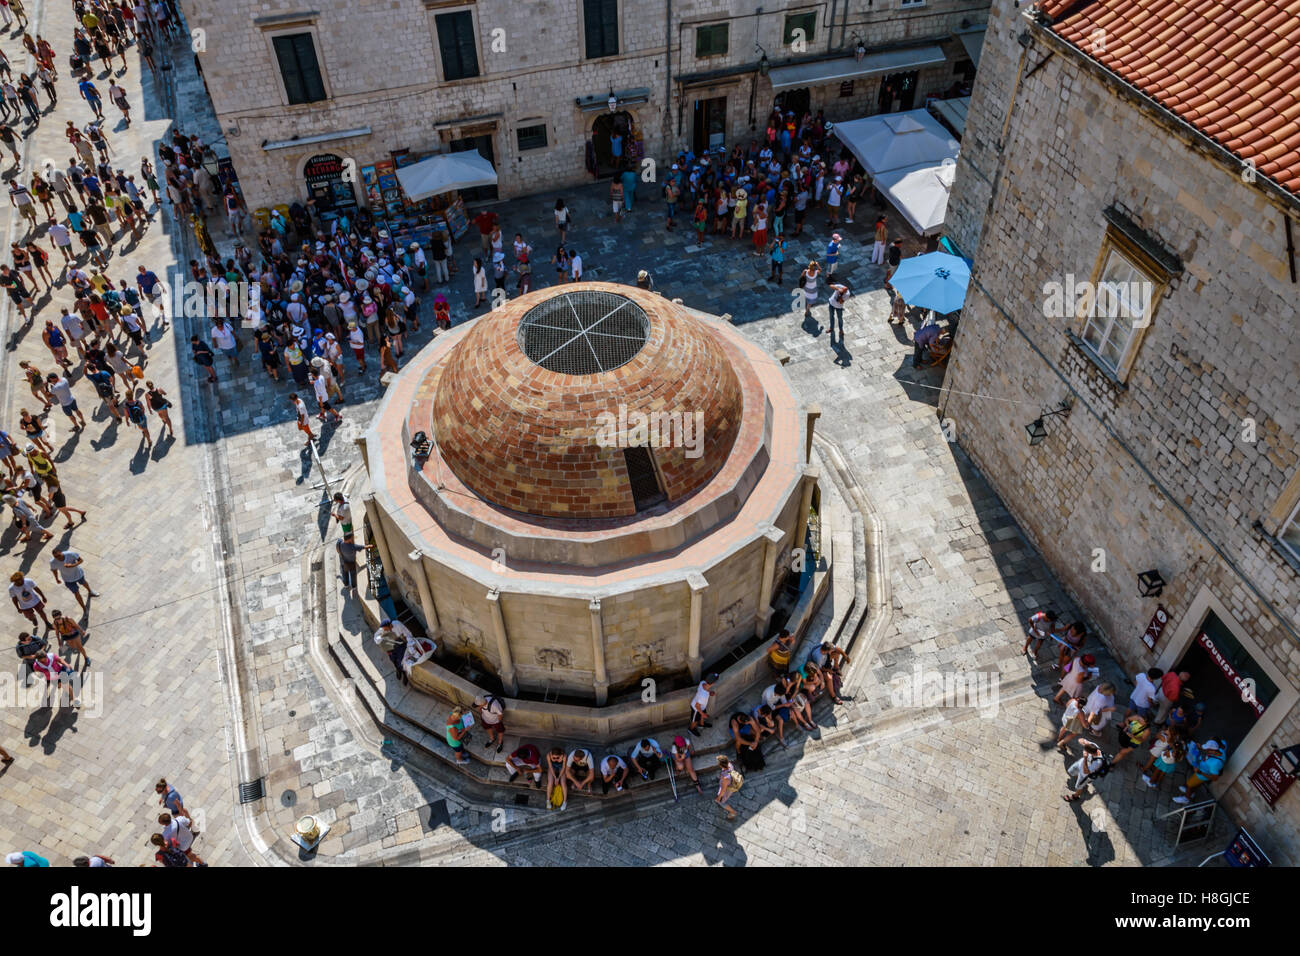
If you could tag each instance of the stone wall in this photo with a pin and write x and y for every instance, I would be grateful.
(380, 66)
(1148, 472)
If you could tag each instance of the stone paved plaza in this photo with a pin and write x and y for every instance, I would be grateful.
(231, 510)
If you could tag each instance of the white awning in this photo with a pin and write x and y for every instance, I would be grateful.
(850, 68)
(953, 112)
(973, 41)
(444, 173)
(894, 140)
(920, 193)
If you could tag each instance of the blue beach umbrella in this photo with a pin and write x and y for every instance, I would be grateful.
(935, 281)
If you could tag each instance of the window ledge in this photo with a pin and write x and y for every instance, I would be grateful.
(1283, 551)
(286, 19)
(1107, 372)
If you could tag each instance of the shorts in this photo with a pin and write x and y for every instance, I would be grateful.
(672, 210)
(70, 409)
(1162, 766)
(232, 351)
(782, 712)
(1145, 712)
(73, 585)
(498, 728)
(57, 496)
(617, 204)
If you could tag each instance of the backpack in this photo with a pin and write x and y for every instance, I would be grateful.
(1104, 769)
(172, 856)
(736, 779)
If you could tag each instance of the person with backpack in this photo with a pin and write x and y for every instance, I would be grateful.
(179, 832)
(730, 781)
(166, 854)
(1132, 734)
(1093, 765)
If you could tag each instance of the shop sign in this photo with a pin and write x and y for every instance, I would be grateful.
(1271, 779)
(1246, 685)
(1156, 627)
(324, 166)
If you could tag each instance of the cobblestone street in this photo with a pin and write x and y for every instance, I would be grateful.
(888, 784)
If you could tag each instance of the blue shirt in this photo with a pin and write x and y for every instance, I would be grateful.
(31, 859)
(74, 218)
(91, 182)
(88, 89)
(172, 800)
(832, 252)
(616, 145)
(778, 253)
(146, 281)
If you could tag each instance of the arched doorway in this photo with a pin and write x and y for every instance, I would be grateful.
(603, 130)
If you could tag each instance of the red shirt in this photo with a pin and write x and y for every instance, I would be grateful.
(1171, 686)
(485, 222)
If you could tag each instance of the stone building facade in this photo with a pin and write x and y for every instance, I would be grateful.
(528, 84)
(1180, 449)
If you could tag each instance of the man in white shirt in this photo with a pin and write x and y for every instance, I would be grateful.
(61, 238)
(580, 769)
(1142, 700)
(179, 831)
(575, 266)
(69, 563)
(700, 704)
(646, 758)
(613, 772)
(26, 596)
(392, 637)
(223, 337)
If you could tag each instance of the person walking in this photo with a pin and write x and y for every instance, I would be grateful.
(562, 220)
(1132, 734)
(1167, 752)
(1093, 765)
(203, 356)
(60, 388)
(179, 831)
(159, 405)
(892, 258)
(832, 255)
(730, 781)
(69, 564)
(27, 520)
(491, 712)
(304, 425)
(71, 634)
(349, 551)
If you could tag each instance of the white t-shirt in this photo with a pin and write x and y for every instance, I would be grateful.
(318, 386)
(179, 830)
(611, 765)
(575, 266)
(223, 336)
(772, 698)
(25, 593)
(586, 754)
(97, 861)
(1145, 691)
(301, 409)
(1071, 711)
(654, 749)
(397, 628)
(68, 567)
(492, 712)
(701, 699)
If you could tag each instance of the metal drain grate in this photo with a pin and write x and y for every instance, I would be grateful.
(250, 792)
(583, 333)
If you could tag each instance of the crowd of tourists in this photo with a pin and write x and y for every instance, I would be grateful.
(1160, 721)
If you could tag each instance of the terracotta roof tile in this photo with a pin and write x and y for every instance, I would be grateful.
(1225, 67)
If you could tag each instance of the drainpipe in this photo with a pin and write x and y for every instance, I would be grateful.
(667, 124)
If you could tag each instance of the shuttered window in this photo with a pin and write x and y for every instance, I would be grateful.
(600, 18)
(456, 44)
(296, 54)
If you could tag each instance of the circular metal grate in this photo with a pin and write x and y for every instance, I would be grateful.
(583, 333)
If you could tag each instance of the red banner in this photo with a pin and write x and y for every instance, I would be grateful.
(1271, 780)
(1246, 685)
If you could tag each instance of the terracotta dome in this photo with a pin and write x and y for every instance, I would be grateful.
(588, 400)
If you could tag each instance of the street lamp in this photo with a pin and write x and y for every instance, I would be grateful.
(613, 102)
(1150, 583)
(1036, 430)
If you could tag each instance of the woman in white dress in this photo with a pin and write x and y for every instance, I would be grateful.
(480, 283)
(808, 282)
